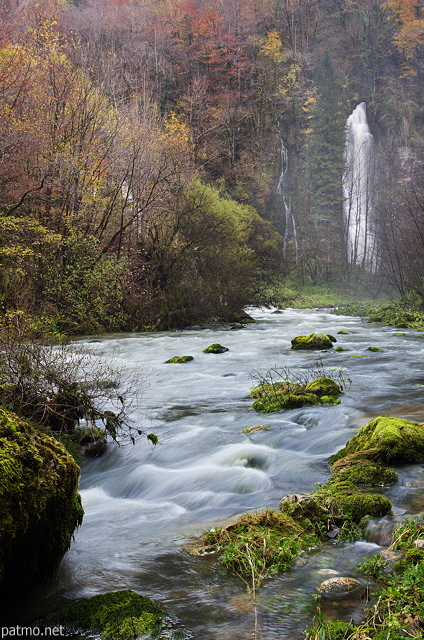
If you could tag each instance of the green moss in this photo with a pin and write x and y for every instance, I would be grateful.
(391, 440)
(367, 473)
(290, 395)
(339, 349)
(343, 332)
(358, 505)
(280, 401)
(179, 359)
(344, 501)
(85, 441)
(253, 429)
(323, 387)
(260, 544)
(329, 400)
(314, 341)
(215, 348)
(39, 504)
(375, 349)
(120, 614)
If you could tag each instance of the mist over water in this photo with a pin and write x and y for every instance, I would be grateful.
(143, 504)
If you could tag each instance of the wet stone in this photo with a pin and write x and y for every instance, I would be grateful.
(340, 588)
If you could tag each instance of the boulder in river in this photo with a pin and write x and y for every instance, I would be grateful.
(40, 507)
(363, 472)
(215, 348)
(179, 359)
(123, 615)
(388, 440)
(313, 342)
(276, 396)
(340, 587)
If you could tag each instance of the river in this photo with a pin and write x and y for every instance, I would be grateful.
(144, 503)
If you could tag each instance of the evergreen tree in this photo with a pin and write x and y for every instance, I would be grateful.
(325, 164)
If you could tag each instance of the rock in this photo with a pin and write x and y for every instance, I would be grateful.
(119, 614)
(300, 506)
(388, 440)
(365, 473)
(179, 359)
(419, 543)
(343, 332)
(40, 507)
(375, 349)
(215, 348)
(290, 395)
(314, 341)
(335, 588)
(323, 387)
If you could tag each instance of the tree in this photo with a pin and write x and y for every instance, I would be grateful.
(58, 385)
(324, 168)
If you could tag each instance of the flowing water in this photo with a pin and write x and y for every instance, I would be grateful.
(143, 504)
(359, 190)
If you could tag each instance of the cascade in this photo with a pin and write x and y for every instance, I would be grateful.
(358, 191)
(291, 230)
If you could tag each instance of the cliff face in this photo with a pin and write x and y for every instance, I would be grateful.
(40, 507)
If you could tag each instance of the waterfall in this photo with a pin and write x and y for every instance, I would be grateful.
(291, 230)
(358, 191)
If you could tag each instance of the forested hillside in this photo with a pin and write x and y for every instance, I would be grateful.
(163, 160)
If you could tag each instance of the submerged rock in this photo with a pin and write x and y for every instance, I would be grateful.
(314, 341)
(39, 504)
(388, 440)
(340, 587)
(215, 348)
(119, 615)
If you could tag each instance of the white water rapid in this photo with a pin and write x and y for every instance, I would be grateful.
(290, 222)
(143, 504)
(358, 192)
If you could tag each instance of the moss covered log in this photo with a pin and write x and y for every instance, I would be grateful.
(39, 504)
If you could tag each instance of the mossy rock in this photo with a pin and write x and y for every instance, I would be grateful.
(345, 501)
(391, 441)
(343, 332)
(303, 507)
(290, 395)
(179, 359)
(358, 505)
(40, 507)
(329, 400)
(122, 615)
(313, 342)
(280, 401)
(215, 348)
(323, 387)
(90, 442)
(260, 544)
(243, 317)
(339, 349)
(375, 350)
(366, 473)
